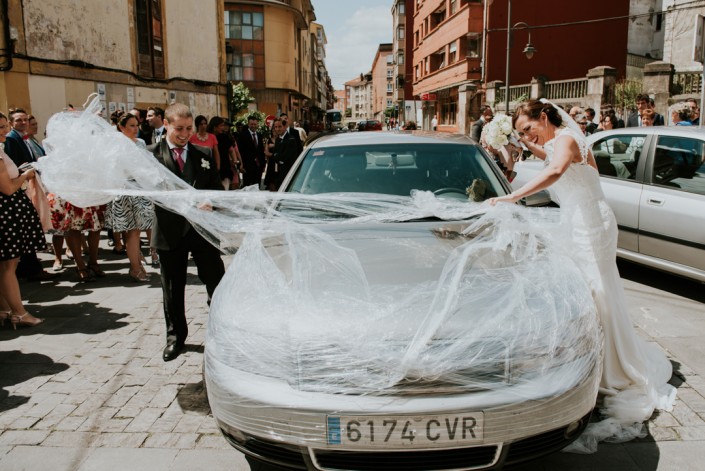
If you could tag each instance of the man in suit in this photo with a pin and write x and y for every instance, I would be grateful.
(287, 132)
(590, 115)
(18, 148)
(643, 102)
(251, 146)
(485, 117)
(155, 118)
(173, 236)
(282, 157)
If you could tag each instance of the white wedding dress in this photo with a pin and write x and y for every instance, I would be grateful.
(635, 373)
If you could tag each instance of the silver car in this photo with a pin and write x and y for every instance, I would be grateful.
(654, 180)
(504, 403)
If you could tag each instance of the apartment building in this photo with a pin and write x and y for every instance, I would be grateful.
(382, 81)
(132, 53)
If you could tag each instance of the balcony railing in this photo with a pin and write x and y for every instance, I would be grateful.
(516, 93)
(566, 89)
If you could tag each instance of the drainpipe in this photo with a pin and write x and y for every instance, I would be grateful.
(5, 41)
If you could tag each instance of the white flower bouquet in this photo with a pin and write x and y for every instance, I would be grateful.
(497, 131)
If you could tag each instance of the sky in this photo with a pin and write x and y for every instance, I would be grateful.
(354, 30)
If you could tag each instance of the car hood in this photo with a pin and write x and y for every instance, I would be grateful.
(405, 308)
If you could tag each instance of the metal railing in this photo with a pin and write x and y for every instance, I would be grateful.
(566, 89)
(516, 93)
(686, 83)
(635, 60)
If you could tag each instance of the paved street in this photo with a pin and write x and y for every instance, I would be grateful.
(89, 390)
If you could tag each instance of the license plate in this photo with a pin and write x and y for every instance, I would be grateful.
(404, 431)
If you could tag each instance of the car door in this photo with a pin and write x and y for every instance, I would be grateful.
(672, 206)
(621, 161)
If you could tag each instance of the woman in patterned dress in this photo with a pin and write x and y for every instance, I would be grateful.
(20, 232)
(131, 214)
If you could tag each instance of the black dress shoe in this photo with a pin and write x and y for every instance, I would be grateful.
(172, 351)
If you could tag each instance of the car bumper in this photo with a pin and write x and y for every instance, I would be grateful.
(272, 422)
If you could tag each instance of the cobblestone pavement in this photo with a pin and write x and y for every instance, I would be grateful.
(88, 389)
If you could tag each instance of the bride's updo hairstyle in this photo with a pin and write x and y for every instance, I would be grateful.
(533, 109)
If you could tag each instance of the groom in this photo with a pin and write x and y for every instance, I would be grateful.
(173, 236)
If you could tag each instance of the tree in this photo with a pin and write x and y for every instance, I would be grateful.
(240, 98)
(625, 92)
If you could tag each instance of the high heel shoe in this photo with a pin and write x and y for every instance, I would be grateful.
(93, 267)
(16, 320)
(138, 276)
(4, 315)
(155, 258)
(85, 275)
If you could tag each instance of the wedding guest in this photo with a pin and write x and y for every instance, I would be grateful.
(485, 117)
(695, 111)
(202, 137)
(20, 233)
(131, 214)
(647, 117)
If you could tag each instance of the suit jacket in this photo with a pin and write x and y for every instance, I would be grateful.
(16, 149)
(285, 152)
(633, 120)
(170, 228)
(476, 129)
(252, 156)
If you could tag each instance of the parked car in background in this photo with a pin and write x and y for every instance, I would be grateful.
(654, 180)
(369, 125)
(504, 403)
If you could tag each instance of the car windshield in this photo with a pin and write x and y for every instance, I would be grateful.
(448, 170)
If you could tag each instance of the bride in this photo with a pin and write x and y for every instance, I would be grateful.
(635, 374)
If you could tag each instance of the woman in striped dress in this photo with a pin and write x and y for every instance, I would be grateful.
(131, 214)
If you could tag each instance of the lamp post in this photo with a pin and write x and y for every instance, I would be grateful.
(529, 50)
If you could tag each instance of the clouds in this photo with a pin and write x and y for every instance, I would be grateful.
(352, 43)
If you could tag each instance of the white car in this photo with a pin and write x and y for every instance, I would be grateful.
(654, 180)
(335, 371)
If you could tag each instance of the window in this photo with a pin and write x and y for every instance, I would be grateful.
(390, 58)
(244, 45)
(389, 103)
(438, 60)
(389, 87)
(241, 67)
(401, 7)
(618, 157)
(150, 45)
(452, 53)
(400, 32)
(390, 73)
(416, 38)
(680, 163)
(244, 25)
(449, 112)
(416, 72)
(474, 46)
(400, 57)
(659, 21)
(453, 6)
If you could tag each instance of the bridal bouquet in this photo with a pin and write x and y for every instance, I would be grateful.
(497, 131)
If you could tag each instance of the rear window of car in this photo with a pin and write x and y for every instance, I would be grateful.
(398, 169)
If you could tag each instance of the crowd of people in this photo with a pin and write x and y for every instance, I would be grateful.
(243, 157)
(685, 113)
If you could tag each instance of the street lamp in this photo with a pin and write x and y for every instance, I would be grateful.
(529, 50)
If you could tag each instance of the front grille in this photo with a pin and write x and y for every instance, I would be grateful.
(542, 444)
(366, 374)
(285, 455)
(459, 458)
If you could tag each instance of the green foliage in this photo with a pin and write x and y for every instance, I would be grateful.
(625, 92)
(240, 98)
(262, 128)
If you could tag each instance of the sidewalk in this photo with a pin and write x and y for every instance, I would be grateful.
(88, 389)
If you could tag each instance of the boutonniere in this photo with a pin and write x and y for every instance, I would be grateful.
(205, 164)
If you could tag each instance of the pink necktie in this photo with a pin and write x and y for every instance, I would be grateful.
(177, 156)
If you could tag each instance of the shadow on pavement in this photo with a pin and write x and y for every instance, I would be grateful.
(677, 285)
(193, 397)
(61, 319)
(17, 367)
